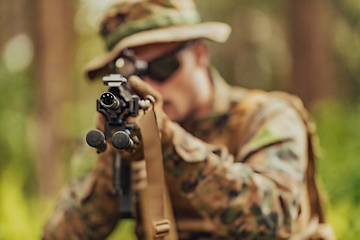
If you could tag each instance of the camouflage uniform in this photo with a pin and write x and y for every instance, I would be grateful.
(242, 170)
(246, 171)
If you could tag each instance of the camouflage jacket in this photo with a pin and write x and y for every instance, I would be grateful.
(247, 169)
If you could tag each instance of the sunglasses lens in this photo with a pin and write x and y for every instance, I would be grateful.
(125, 67)
(161, 69)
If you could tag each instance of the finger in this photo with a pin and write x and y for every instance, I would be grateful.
(143, 89)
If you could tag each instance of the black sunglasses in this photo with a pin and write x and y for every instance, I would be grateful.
(158, 69)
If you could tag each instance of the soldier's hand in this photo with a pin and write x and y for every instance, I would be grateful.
(164, 124)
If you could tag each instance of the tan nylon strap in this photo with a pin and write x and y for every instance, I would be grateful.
(155, 173)
(170, 216)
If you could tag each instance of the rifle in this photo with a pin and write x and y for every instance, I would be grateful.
(117, 105)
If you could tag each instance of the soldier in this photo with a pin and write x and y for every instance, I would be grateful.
(240, 163)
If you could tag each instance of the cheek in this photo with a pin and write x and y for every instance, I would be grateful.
(172, 95)
(178, 96)
(200, 85)
(177, 102)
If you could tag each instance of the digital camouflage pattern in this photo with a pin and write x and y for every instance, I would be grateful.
(125, 18)
(243, 169)
(130, 23)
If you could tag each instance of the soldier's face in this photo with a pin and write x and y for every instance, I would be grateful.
(188, 91)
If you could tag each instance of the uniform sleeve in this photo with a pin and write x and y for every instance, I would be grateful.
(86, 208)
(251, 194)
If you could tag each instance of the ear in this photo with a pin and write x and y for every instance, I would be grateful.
(201, 53)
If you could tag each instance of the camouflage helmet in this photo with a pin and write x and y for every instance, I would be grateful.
(130, 23)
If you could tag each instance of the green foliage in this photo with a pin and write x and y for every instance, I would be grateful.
(338, 168)
(22, 215)
(21, 210)
(124, 230)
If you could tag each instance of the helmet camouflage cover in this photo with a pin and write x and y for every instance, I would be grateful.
(130, 23)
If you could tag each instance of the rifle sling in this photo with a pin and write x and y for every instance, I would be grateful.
(155, 174)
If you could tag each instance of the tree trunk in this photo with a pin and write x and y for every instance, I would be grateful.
(15, 18)
(53, 70)
(310, 36)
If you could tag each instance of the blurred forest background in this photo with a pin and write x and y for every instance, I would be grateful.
(307, 47)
